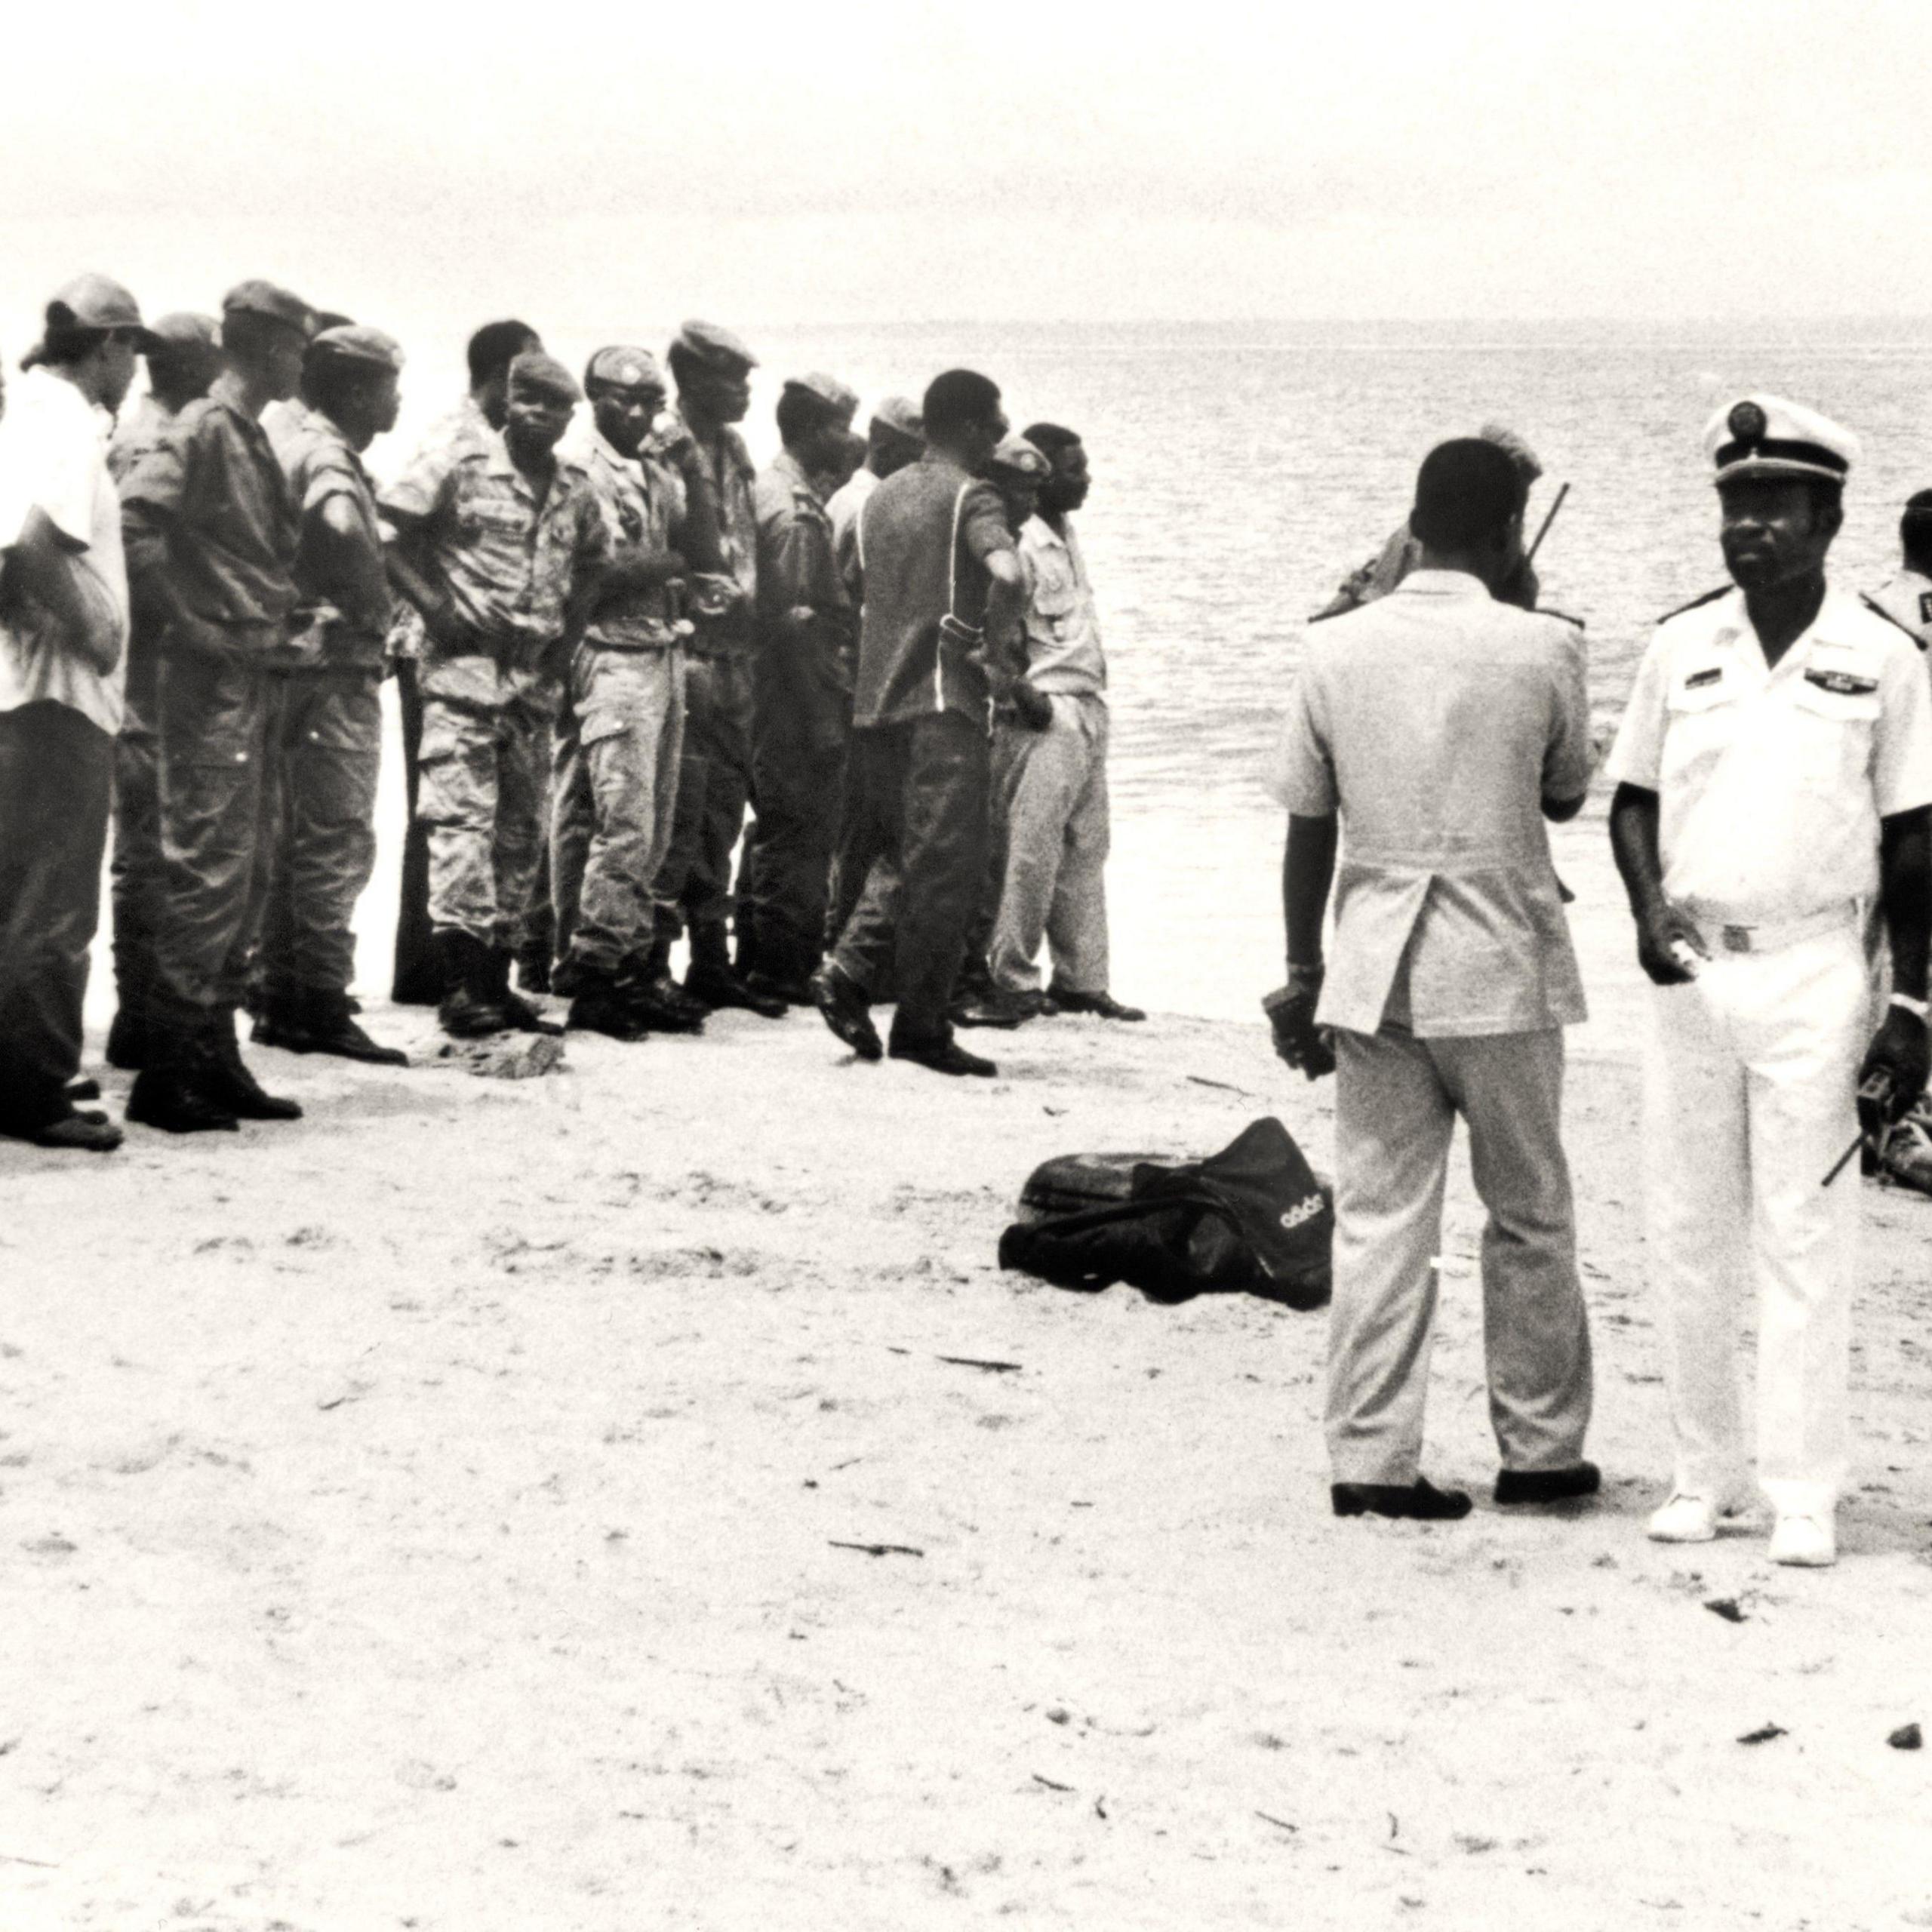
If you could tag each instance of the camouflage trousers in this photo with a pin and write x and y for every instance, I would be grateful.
(324, 764)
(480, 794)
(138, 876)
(614, 795)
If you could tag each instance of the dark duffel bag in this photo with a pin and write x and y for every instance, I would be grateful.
(1253, 1218)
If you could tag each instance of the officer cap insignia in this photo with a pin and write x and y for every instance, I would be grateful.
(1748, 422)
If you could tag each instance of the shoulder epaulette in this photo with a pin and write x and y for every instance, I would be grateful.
(1878, 609)
(1709, 596)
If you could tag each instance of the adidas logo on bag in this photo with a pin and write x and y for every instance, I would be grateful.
(1304, 1210)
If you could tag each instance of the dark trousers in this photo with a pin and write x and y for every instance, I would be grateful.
(919, 797)
(327, 758)
(714, 787)
(137, 866)
(217, 723)
(798, 750)
(56, 777)
(419, 978)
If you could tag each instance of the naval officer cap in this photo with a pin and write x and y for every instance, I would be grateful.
(356, 343)
(267, 298)
(1016, 457)
(716, 348)
(841, 400)
(622, 367)
(1764, 436)
(537, 377)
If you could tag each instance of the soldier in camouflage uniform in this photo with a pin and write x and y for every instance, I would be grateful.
(499, 546)
(327, 753)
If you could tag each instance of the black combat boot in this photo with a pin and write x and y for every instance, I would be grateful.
(169, 1091)
(470, 1009)
(518, 1014)
(321, 1022)
(711, 979)
(602, 1005)
(128, 1038)
(228, 1083)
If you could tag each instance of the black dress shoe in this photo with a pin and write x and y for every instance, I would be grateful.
(718, 987)
(943, 1056)
(226, 1081)
(1420, 1501)
(1548, 1485)
(1103, 1006)
(603, 1009)
(843, 1008)
(986, 1009)
(769, 986)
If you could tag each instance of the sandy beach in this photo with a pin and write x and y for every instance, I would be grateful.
(440, 1516)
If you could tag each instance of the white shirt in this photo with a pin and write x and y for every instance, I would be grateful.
(843, 505)
(54, 459)
(1772, 780)
(1063, 651)
(1907, 599)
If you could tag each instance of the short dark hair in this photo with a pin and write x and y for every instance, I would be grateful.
(802, 412)
(1467, 490)
(495, 346)
(1050, 438)
(1915, 531)
(958, 400)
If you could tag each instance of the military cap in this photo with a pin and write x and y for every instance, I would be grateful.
(98, 302)
(1764, 436)
(1514, 447)
(842, 401)
(1016, 456)
(356, 342)
(624, 368)
(716, 348)
(534, 374)
(265, 298)
(183, 329)
(901, 414)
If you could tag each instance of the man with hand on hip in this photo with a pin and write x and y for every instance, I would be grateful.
(1442, 726)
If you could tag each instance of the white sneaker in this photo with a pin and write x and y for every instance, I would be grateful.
(1807, 1543)
(1687, 1518)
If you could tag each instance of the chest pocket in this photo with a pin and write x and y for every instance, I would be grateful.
(505, 522)
(1831, 737)
(1056, 591)
(1701, 720)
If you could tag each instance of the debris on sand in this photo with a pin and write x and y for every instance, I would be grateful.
(1726, 1607)
(512, 1056)
(1763, 1734)
(1907, 1737)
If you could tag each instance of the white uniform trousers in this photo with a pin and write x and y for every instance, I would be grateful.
(1396, 1100)
(1750, 1078)
(1050, 789)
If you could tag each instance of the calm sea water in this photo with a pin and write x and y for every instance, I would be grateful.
(1241, 470)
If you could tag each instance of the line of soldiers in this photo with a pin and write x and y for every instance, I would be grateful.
(612, 638)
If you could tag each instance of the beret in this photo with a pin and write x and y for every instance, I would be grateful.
(829, 390)
(97, 302)
(625, 368)
(1018, 457)
(902, 414)
(266, 298)
(183, 329)
(534, 374)
(356, 342)
(716, 348)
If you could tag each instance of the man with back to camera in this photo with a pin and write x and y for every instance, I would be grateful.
(328, 745)
(211, 539)
(183, 358)
(1774, 776)
(621, 731)
(1906, 597)
(808, 635)
(1443, 727)
(498, 544)
(894, 437)
(939, 630)
(63, 627)
(490, 351)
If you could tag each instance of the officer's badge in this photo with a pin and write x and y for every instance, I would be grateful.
(1698, 680)
(1748, 422)
(1842, 684)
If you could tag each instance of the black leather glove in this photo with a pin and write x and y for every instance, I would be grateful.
(1298, 1040)
(1894, 1072)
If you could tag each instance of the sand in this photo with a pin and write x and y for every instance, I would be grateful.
(437, 1515)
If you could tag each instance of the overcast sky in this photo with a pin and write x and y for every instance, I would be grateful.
(836, 161)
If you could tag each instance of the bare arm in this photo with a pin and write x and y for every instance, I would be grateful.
(1308, 872)
(1661, 927)
(1904, 896)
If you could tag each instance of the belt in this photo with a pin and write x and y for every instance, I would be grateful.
(1735, 937)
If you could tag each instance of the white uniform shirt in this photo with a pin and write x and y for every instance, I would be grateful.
(1907, 600)
(1063, 651)
(54, 459)
(1772, 781)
